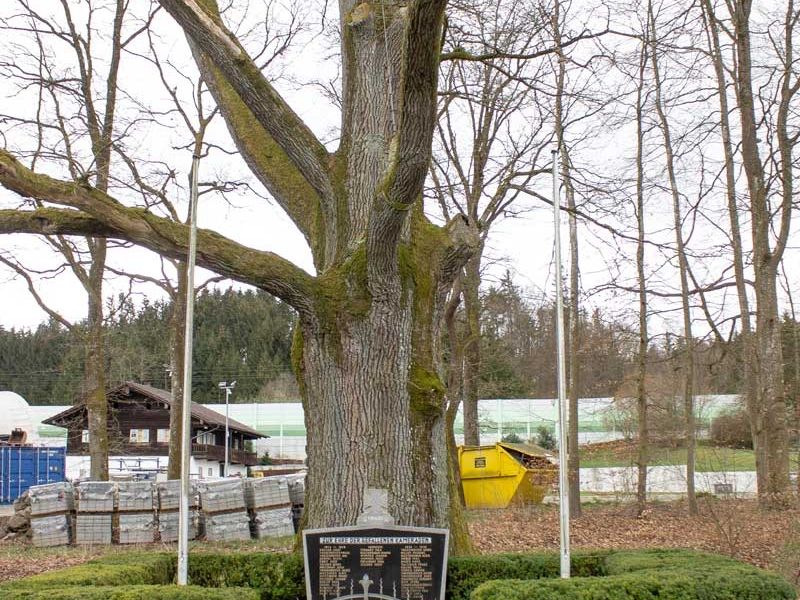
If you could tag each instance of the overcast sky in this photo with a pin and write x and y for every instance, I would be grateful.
(523, 245)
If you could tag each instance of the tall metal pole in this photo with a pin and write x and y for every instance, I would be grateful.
(228, 387)
(186, 415)
(227, 431)
(563, 482)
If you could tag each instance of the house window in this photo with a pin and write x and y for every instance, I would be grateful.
(206, 437)
(210, 472)
(140, 436)
(162, 436)
(85, 436)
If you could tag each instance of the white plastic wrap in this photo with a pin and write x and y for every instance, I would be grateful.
(93, 529)
(168, 525)
(52, 498)
(227, 527)
(55, 530)
(137, 528)
(135, 495)
(169, 494)
(265, 492)
(221, 495)
(96, 496)
(275, 522)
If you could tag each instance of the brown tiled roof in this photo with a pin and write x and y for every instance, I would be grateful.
(199, 412)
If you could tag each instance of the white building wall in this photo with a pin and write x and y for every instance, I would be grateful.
(78, 467)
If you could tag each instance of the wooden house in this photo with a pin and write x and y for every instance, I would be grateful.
(138, 429)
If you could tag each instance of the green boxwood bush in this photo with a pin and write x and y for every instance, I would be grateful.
(132, 592)
(278, 576)
(135, 568)
(464, 574)
(650, 575)
(605, 575)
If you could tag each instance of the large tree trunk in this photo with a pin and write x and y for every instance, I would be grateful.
(472, 349)
(573, 450)
(683, 269)
(95, 381)
(574, 324)
(641, 358)
(177, 326)
(771, 390)
(375, 410)
(769, 407)
(747, 356)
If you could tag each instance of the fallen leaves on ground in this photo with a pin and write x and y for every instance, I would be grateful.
(733, 527)
(19, 560)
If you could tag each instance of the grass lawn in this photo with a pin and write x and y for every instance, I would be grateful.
(709, 458)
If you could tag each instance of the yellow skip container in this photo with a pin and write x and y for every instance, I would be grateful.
(506, 474)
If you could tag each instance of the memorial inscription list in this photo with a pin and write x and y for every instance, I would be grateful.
(391, 563)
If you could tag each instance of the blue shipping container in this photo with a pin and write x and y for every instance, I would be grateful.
(24, 466)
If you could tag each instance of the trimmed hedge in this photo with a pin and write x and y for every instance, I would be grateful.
(278, 576)
(466, 573)
(133, 592)
(155, 568)
(649, 575)
(605, 575)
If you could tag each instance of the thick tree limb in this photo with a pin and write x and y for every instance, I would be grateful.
(101, 215)
(265, 157)
(410, 153)
(202, 24)
(418, 89)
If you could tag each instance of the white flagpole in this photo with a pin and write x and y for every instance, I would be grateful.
(186, 428)
(563, 459)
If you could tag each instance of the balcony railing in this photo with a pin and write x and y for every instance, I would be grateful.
(237, 456)
(207, 451)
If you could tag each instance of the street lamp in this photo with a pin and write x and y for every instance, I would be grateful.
(228, 387)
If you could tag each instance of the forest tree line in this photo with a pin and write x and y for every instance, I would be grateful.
(242, 336)
(245, 336)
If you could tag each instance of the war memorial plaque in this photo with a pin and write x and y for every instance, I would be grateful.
(361, 563)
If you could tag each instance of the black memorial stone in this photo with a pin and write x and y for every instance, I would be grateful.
(361, 563)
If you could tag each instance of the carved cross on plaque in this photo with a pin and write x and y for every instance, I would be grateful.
(365, 583)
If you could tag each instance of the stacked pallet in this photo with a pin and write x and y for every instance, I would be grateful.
(169, 498)
(269, 507)
(136, 512)
(52, 506)
(224, 512)
(96, 501)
